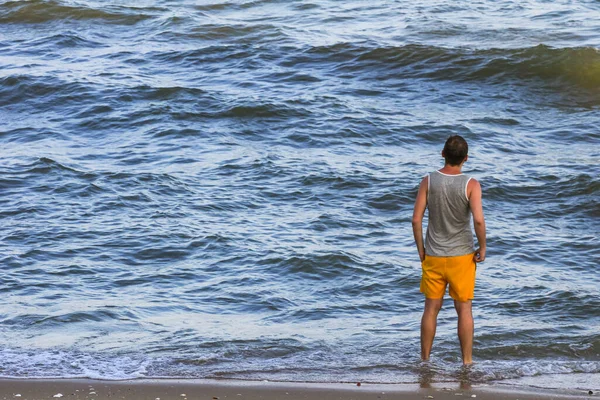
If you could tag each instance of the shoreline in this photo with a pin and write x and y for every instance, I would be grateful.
(213, 389)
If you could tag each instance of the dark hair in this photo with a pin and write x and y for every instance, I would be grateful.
(455, 150)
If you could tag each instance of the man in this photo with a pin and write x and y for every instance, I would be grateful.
(447, 256)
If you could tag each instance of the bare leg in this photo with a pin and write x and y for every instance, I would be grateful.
(428, 325)
(466, 328)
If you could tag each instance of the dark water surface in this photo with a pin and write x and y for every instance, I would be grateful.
(224, 189)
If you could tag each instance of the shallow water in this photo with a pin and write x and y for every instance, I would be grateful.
(224, 189)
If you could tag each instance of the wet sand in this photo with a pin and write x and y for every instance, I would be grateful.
(85, 389)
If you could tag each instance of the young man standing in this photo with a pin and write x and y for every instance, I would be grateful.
(448, 256)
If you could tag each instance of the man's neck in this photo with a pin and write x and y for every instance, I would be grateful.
(451, 169)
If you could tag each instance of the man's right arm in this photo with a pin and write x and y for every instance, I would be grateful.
(474, 189)
(417, 219)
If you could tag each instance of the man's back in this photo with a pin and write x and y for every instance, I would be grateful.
(448, 231)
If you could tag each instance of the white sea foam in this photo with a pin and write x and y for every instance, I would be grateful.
(64, 364)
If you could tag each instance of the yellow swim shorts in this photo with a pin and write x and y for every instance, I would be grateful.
(457, 271)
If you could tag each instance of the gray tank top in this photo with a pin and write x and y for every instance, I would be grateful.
(449, 228)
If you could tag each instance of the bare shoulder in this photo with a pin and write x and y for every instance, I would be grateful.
(424, 186)
(473, 183)
(473, 188)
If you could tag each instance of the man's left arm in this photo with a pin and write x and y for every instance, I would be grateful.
(474, 193)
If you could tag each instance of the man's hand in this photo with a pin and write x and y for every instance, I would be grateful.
(479, 255)
(422, 255)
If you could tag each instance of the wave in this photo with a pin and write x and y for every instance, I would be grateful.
(48, 92)
(323, 266)
(220, 31)
(282, 360)
(17, 363)
(219, 6)
(578, 66)
(540, 65)
(541, 188)
(15, 89)
(41, 11)
(44, 166)
(62, 40)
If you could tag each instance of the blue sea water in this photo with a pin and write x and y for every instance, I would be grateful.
(224, 189)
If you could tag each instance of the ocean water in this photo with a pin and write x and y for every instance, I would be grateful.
(224, 189)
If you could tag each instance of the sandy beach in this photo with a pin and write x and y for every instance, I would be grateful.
(38, 389)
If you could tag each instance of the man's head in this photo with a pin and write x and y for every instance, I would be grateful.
(455, 150)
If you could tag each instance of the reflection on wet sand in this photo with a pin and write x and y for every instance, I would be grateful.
(427, 373)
